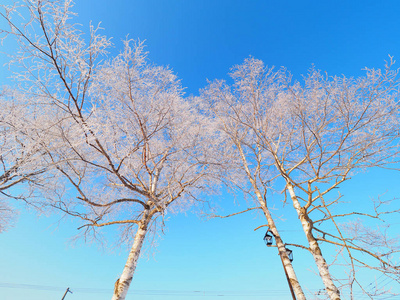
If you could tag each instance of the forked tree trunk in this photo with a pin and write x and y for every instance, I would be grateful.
(315, 250)
(123, 283)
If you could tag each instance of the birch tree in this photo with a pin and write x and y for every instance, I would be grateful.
(232, 110)
(315, 135)
(342, 126)
(127, 148)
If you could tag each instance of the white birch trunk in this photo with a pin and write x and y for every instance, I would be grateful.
(287, 264)
(316, 252)
(123, 283)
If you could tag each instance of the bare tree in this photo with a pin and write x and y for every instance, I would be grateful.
(314, 135)
(233, 112)
(342, 126)
(126, 147)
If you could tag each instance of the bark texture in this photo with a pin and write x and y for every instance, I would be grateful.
(122, 284)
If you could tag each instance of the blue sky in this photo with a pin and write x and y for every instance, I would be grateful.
(200, 40)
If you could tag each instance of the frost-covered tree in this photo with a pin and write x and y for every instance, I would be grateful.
(341, 126)
(251, 173)
(311, 136)
(126, 147)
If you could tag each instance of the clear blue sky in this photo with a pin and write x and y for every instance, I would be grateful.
(199, 40)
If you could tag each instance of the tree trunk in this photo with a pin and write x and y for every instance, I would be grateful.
(315, 250)
(287, 264)
(123, 283)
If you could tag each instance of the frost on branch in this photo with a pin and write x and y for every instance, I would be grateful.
(21, 167)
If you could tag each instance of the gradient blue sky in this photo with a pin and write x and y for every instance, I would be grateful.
(200, 40)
